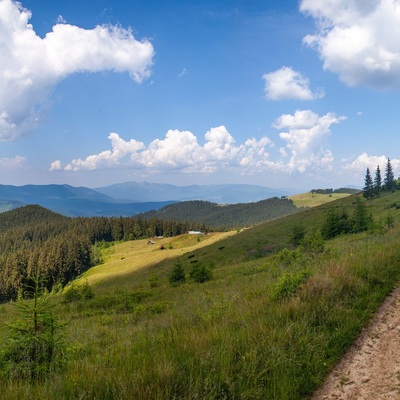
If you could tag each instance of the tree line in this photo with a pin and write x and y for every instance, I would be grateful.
(332, 191)
(225, 216)
(373, 187)
(34, 239)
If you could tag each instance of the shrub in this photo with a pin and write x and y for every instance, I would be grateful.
(74, 292)
(177, 276)
(289, 284)
(298, 233)
(201, 274)
(154, 282)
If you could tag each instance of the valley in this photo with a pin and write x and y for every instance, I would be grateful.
(270, 318)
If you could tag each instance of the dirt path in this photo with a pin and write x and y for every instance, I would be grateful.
(371, 368)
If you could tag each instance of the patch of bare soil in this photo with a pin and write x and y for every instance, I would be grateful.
(371, 368)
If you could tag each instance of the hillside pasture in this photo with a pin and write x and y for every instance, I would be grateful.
(122, 260)
(270, 324)
(310, 199)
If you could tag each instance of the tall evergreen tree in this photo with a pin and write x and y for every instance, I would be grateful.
(368, 191)
(377, 181)
(389, 177)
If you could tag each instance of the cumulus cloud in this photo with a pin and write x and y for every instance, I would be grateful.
(357, 39)
(31, 66)
(303, 149)
(107, 158)
(285, 83)
(364, 161)
(305, 135)
(179, 150)
(55, 166)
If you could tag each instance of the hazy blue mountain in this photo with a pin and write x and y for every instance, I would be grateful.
(221, 194)
(72, 201)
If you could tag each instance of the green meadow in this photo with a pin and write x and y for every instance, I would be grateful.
(270, 323)
(310, 199)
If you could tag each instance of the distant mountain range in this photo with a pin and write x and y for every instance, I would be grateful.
(126, 199)
(221, 194)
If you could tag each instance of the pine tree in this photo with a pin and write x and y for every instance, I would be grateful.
(177, 276)
(389, 177)
(377, 181)
(368, 190)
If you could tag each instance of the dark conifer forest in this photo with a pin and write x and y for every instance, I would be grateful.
(34, 239)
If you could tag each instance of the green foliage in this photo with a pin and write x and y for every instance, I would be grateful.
(389, 221)
(368, 191)
(377, 182)
(298, 233)
(35, 344)
(332, 191)
(389, 182)
(227, 216)
(63, 248)
(362, 219)
(339, 222)
(288, 258)
(313, 242)
(177, 276)
(75, 292)
(201, 273)
(154, 281)
(289, 284)
(336, 223)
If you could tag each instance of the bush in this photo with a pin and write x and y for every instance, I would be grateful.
(201, 274)
(154, 282)
(289, 284)
(74, 292)
(298, 233)
(177, 276)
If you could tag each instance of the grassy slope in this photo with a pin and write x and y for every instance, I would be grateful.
(230, 337)
(315, 199)
(124, 259)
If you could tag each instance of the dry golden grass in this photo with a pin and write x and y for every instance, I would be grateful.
(127, 257)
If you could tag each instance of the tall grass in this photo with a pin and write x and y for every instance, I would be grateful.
(263, 328)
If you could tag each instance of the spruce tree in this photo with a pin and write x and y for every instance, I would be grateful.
(368, 191)
(377, 181)
(389, 177)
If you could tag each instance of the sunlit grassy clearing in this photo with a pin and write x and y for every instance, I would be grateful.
(127, 257)
(315, 199)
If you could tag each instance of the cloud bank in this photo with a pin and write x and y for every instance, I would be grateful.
(303, 140)
(285, 83)
(30, 66)
(359, 166)
(357, 39)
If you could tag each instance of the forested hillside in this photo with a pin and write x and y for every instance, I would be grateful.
(33, 238)
(232, 215)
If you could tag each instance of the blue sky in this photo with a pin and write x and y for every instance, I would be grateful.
(300, 94)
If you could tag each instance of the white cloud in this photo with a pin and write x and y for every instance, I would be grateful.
(181, 151)
(359, 166)
(12, 163)
(31, 66)
(357, 39)
(285, 83)
(305, 135)
(107, 158)
(55, 166)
